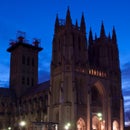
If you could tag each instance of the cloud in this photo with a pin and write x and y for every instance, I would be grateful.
(127, 102)
(126, 85)
(4, 84)
(126, 78)
(4, 75)
(126, 71)
(126, 91)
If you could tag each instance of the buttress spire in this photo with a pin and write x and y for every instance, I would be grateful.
(68, 18)
(90, 37)
(56, 23)
(82, 24)
(114, 40)
(102, 32)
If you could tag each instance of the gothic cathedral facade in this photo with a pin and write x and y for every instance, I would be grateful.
(85, 85)
(84, 91)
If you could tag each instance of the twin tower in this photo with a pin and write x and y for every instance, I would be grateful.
(85, 85)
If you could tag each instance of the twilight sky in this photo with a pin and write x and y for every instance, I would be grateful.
(37, 17)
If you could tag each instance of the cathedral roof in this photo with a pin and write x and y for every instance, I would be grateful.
(38, 89)
(15, 45)
(6, 92)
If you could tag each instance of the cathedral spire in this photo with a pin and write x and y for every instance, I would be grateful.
(102, 32)
(68, 18)
(114, 40)
(56, 23)
(82, 24)
(90, 37)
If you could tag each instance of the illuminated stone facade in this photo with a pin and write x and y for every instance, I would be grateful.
(84, 91)
(85, 80)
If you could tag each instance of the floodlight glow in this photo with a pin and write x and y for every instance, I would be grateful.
(67, 126)
(9, 128)
(22, 123)
(56, 127)
(100, 118)
(99, 114)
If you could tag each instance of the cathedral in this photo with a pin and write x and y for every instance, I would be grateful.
(84, 91)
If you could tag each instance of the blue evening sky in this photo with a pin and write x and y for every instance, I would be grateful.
(37, 17)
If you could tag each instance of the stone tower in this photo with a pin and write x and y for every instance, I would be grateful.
(23, 64)
(85, 91)
(106, 91)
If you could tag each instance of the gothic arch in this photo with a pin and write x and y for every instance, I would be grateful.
(115, 125)
(100, 88)
(81, 124)
(95, 123)
(98, 95)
